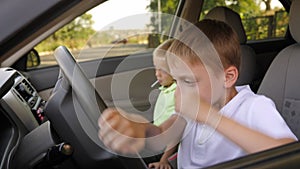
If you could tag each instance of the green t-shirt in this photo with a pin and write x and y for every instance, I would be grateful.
(165, 104)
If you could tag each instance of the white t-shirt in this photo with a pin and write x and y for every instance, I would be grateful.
(202, 146)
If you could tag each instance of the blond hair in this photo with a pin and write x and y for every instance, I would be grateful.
(205, 39)
(160, 53)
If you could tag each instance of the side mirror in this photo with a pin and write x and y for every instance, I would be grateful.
(32, 59)
(28, 61)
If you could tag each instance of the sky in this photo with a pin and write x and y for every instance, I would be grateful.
(121, 11)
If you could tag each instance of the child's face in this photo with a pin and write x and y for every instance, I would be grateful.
(194, 84)
(162, 71)
(164, 78)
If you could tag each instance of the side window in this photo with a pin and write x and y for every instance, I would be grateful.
(262, 19)
(114, 28)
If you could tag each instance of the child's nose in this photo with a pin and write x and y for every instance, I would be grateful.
(157, 73)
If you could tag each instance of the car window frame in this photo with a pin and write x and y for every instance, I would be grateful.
(34, 32)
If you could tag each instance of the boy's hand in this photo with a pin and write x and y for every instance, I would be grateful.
(160, 165)
(122, 132)
(206, 112)
(192, 103)
(196, 109)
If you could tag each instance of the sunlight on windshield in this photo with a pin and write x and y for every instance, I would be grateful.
(111, 11)
(113, 28)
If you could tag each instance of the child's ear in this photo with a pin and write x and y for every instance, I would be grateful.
(231, 75)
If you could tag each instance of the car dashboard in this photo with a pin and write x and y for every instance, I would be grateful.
(28, 130)
(30, 139)
(22, 98)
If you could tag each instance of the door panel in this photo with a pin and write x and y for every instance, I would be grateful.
(134, 70)
(130, 90)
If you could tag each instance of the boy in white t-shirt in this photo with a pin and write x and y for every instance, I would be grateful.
(215, 121)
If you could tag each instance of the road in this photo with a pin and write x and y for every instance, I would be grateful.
(96, 53)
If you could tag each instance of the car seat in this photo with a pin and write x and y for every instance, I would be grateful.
(248, 58)
(282, 80)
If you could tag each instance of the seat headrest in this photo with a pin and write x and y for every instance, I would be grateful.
(231, 18)
(294, 22)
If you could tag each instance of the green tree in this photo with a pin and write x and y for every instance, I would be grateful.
(246, 8)
(167, 7)
(74, 35)
(162, 25)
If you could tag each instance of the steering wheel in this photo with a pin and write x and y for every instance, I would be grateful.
(89, 99)
(74, 91)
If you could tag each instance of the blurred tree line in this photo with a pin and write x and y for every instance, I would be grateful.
(74, 35)
(258, 23)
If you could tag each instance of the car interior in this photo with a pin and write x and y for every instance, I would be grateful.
(48, 115)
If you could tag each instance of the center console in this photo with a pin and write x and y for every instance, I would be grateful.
(32, 137)
(21, 98)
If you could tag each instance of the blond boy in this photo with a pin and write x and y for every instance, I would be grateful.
(165, 104)
(219, 121)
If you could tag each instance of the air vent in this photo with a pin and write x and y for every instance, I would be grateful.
(25, 90)
(27, 86)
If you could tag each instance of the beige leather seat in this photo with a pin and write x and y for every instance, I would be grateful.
(248, 59)
(282, 80)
